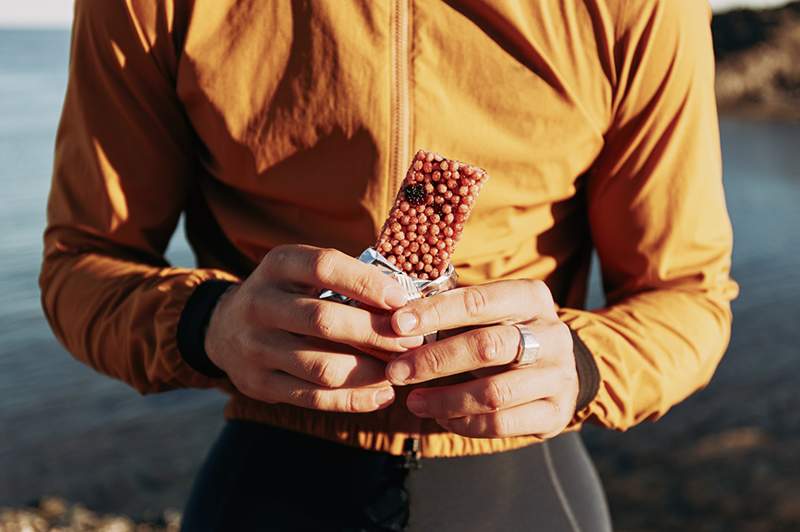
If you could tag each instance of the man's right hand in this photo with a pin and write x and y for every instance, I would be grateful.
(279, 343)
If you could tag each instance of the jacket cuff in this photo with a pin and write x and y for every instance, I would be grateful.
(191, 333)
(588, 374)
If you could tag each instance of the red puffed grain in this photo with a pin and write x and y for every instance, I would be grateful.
(429, 213)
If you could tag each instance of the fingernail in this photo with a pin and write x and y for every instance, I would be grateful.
(406, 321)
(410, 342)
(399, 371)
(384, 396)
(395, 296)
(416, 404)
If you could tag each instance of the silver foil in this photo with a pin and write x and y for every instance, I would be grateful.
(415, 288)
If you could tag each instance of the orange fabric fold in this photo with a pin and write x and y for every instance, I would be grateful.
(267, 123)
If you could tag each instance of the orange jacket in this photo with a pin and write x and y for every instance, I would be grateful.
(288, 122)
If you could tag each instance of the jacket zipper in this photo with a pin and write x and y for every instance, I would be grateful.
(400, 98)
(399, 155)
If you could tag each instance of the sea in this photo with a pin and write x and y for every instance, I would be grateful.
(70, 432)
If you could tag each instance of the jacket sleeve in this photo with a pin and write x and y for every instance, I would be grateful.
(122, 167)
(659, 222)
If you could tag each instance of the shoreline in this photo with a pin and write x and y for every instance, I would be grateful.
(55, 513)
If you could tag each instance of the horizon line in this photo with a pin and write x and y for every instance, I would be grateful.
(34, 26)
(61, 24)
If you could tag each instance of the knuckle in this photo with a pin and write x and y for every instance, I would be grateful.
(353, 402)
(333, 376)
(308, 398)
(500, 425)
(554, 409)
(433, 318)
(566, 413)
(316, 399)
(519, 290)
(428, 313)
(323, 264)
(434, 361)
(555, 420)
(372, 338)
(488, 345)
(475, 301)
(362, 287)
(569, 378)
(254, 385)
(323, 372)
(319, 320)
(245, 385)
(497, 394)
(248, 349)
(539, 289)
(277, 257)
(357, 401)
(249, 305)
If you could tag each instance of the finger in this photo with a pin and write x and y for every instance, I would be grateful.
(282, 388)
(324, 363)
(484, 396)
(540, 418)
(479, 348)
(332, 269)
(488, 346)
(335, 322)
(499, 302)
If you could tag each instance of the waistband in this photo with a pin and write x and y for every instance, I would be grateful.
(387, 431)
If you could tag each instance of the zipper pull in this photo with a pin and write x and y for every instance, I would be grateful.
(411, 453)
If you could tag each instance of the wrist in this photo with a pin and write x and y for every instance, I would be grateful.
(194, 323)
(214, 326)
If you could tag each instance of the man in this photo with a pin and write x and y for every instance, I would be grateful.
(282, 130)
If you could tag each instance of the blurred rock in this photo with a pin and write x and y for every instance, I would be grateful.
(53, 508)
(56, 515)
(730, 479)
(727, 443)
(758, 74)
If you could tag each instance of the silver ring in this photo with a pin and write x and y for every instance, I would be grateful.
(529, 347)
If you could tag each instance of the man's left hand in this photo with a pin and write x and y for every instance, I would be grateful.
(537, 399)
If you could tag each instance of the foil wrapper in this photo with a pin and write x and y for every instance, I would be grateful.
(415, 288)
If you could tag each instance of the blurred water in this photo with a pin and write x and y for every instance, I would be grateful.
(66, 430)
(62, 424)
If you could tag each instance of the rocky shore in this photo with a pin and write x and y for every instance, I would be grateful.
(758, 74)
(56, 515)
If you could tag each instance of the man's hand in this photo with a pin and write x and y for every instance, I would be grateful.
(278, 343)
(533, 400)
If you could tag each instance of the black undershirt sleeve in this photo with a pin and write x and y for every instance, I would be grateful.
(588, 374)
(192, 326)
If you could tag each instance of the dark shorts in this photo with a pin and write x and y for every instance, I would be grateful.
(258, 477)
